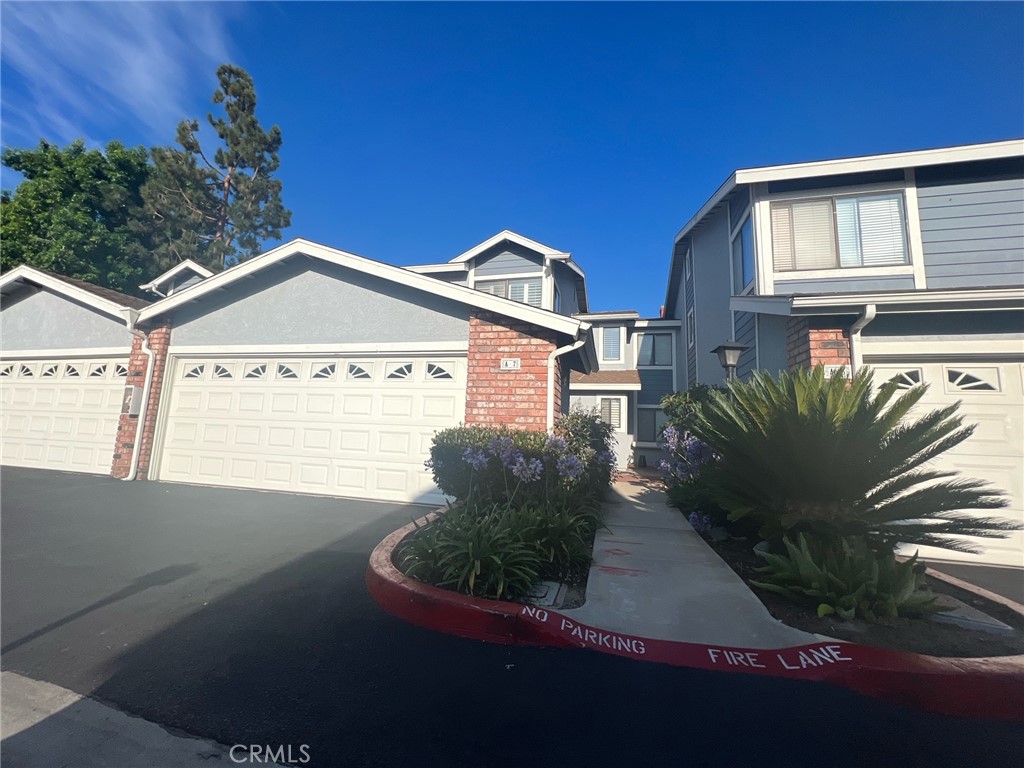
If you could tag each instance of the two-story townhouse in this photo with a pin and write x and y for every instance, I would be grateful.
(911, 263)
(637, 368)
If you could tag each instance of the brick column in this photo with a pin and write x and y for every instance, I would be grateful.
(816, 341)
(127, 426)
(515, 398)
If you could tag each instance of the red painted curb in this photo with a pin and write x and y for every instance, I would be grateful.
(984, 688)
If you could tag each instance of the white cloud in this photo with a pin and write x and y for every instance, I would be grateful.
(73, 69)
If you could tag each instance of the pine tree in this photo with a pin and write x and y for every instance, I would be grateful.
(217, 211)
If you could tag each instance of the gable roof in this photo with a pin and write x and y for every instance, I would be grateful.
(965, 153)
(106, 300)
(186, 265)
(507, 235)
(514, 309)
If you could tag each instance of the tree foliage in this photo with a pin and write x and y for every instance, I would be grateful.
(836, 458)
(217, 209)
(73, 212)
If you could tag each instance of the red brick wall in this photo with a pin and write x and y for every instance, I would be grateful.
(514, 398)
(816, 341)
(127, 427)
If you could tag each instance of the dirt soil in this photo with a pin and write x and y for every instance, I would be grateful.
(915, 635)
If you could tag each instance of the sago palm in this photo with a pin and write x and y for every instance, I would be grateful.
(834, 457)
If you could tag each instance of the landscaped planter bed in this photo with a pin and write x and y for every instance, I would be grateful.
(915, 635)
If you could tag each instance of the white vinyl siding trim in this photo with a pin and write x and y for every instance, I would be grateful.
(611, 345)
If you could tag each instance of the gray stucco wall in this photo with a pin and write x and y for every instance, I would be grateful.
(712, 289)
(771, 343)
(508, 259)
(45, 320)
(973, 232)
(746, 333)
(311, 302)
(845, 285)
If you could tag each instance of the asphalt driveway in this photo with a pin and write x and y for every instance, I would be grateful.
(242, 617)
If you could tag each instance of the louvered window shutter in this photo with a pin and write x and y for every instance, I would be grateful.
(879, 230)
(611, 412)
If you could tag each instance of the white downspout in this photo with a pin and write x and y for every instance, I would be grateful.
(856, 356)
(144, 405)
(551, 376)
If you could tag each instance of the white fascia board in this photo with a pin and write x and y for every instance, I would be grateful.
(485, 301)
(434, 348)
(598, 317)
(896, 160)
(27, 274)
(658, 322)
(59, 354)
(909, 298)
(428, 269)
(176, 270)
(505, 234)
(605, 387)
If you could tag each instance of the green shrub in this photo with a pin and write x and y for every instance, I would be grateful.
(681, 407)
(828, 456)
(563, 536)
(591, 440)
(477, 551)
(845, 576)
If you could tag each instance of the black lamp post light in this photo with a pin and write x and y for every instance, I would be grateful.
(729, 356)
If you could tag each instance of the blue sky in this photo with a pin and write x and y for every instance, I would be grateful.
(414, 131)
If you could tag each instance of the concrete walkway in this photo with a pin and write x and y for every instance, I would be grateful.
(46, 726)
(653, 576)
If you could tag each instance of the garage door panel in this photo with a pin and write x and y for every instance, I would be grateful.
(323, 426)
(57, 418)
(992, 397)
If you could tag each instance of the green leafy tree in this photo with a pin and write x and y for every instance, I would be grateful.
(217, 209)
(833, 457)
(73, 212)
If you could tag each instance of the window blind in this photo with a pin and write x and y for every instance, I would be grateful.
(611, 411)
(611, 344)
(880, 230)
(525, 291)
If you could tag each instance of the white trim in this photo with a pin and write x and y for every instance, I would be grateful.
(846, 190)
(386, 348)
(426, 269)
(538, 275)
(622, 345)
(635, 387)
(915, 243)
(784, 305)
(856, 354)
(556, 353)
(658, 323)
(691, 330)
(199, 269)
(597, 317)
(512, 237)
(28, 274)
(35, 354)
(849, 273)
(462, 294)
(763, 254)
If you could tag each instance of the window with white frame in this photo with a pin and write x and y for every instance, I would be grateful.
(655, 349)
(558, 300)
(526, 290)
(610, 409)
(611, 345)
(691, 330)
(688, 262)
(839, 232)
(743, 257)
(649, 422)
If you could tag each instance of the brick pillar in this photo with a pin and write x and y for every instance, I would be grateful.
(127, 426)
(816, 341)
(514, 398)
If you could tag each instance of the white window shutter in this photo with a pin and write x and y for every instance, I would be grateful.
(881, 231)
(611, 414)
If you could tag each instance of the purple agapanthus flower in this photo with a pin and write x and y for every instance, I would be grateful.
(671, 437)
(701, 523)
(556, 444)
(527, 470)
(504, 449)
(475, 457)
(606, 458)
(569, 467)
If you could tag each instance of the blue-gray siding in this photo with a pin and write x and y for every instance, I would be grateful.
(845, 285)
(746, 333)
(771, 343)
(691, 352)
(508, 259)
(973, 233)
(565, 281)
(45, 320)
(655, 383)
(713, 289)
(309, 302)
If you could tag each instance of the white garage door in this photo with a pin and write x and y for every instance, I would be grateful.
(336, 426)
(61, 414)
(992, 397)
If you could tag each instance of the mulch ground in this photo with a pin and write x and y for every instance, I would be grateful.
(915, 635)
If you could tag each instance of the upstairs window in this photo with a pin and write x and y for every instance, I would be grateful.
(526, 290)
(839, 233)
(611, 345)
(743, 257)
(655, 349)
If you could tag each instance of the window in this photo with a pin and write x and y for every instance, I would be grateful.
(325, 371)
(49, 371)
(743, 257)
(194, 372)
(120, 370)
(691, 330)
(526, 290)
(688, 262)
(98, 371)
(972, 380)
(398, 371)
(649, 422)
(222, 372)
(558, 300)
(611, 412)
(438, 371)
(72, 371)
(840, 232)
(611, 344)
(359, 371)
(655, 349)
(287, 370)
(255, 371)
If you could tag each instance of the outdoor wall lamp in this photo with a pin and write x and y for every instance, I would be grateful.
(729, 356)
